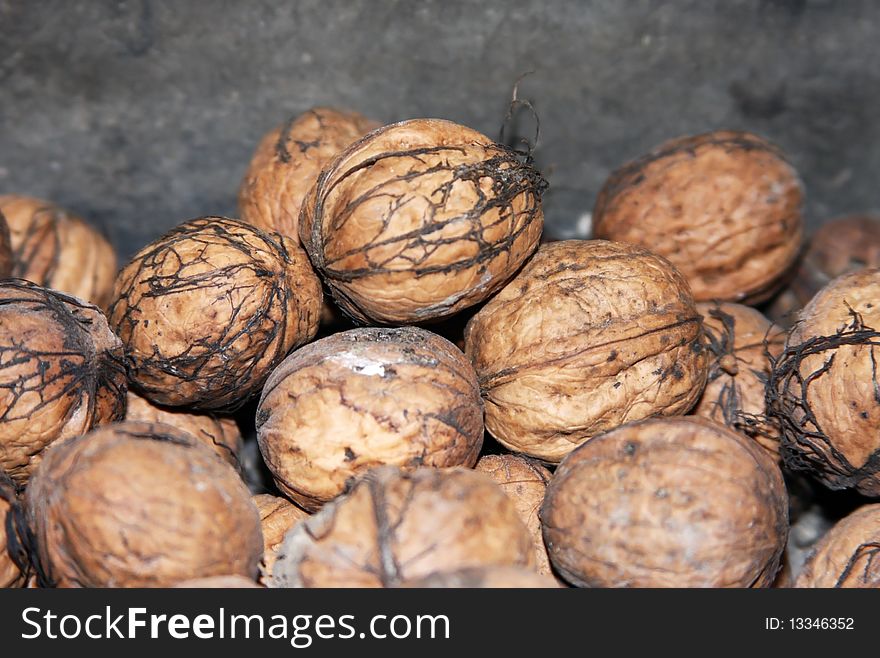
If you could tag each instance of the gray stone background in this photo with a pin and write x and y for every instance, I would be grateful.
(141, 114)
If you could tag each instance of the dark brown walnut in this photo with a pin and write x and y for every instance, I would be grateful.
(741, 342)
(287, 162)
(140, 505)
(218, 582)
(588, 336)
(209, 309)
(525, 481)
(823, 388)
(363, 398)
(61, 372)
(421, 219)
(11, 559)
(59, 250)
(724, 207)
(395, 526)
(220, 433)
(7, 261)
(667, 502)
(484, 578)
(848, 555)
(277, 517)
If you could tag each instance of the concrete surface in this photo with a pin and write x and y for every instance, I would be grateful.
(141, 114)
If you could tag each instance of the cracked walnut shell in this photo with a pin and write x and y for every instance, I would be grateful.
(140, 505)
(363, 398)
(394, 526)
(61, 372)
(421, 219)
(588, 336)
(209, 309)
(723, 207)
(287, 163)
(667, 502)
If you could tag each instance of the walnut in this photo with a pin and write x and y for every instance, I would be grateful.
(741, 342)
(823, 387)
(724, 207)
(394, 526)
(421, 219)
(11, 572)
(525, 481)
(361, 398)
(667, 502)
(7, 261)
(59, 250)
(277, 517)
(61, 372)
(209, 309)
(848, 555)
(485, 578)
(588, 336)
(287, 163)
(140, 505)
(220, 433)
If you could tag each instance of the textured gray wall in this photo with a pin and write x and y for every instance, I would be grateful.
(141, 114)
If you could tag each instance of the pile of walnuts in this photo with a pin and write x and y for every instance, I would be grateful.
(607, 412)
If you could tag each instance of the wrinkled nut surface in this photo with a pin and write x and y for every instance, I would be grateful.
(218, 582)
(724, 207)
(363, 398)
(58, 250)
(10, 573)
(395, 526)
(7, 261)
(848, 555)
(277, 516)
(208, 310)
(219, 433)
(287, 162)
(421, 219)
(524, 481)
(739, 340)
(588, 336)
(822, 389)
(484, 578)
(140, 505)
(667, 502)
(61, 372)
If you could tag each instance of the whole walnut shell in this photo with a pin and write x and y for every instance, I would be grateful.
(61, 372)
(823, 387)
(419, 220)
(140, 505)
(848, 555)
(287, 163)
(741, 342)
(219, 433)
(724, 207)
(484, 578)
(395, 526)
(525, 481)
(56, 249)
(588, 336)
(209, 309)
(362, 398)
(7, 261)
(10, 572)
(667, 502)
(277, 517)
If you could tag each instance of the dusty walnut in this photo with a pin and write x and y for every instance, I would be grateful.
(59, 250)
(61, 372)
(741, 342)
(667, 502)
(525, 481)
(219, 433)
(588, 336)
(361, 398)
(395, 526)
(140, 505)
(277, 517)
(210, 308)
(421, 219)
(287, 163)
(724, 207)
(485, 578)
(823, 387)
(848, 555)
